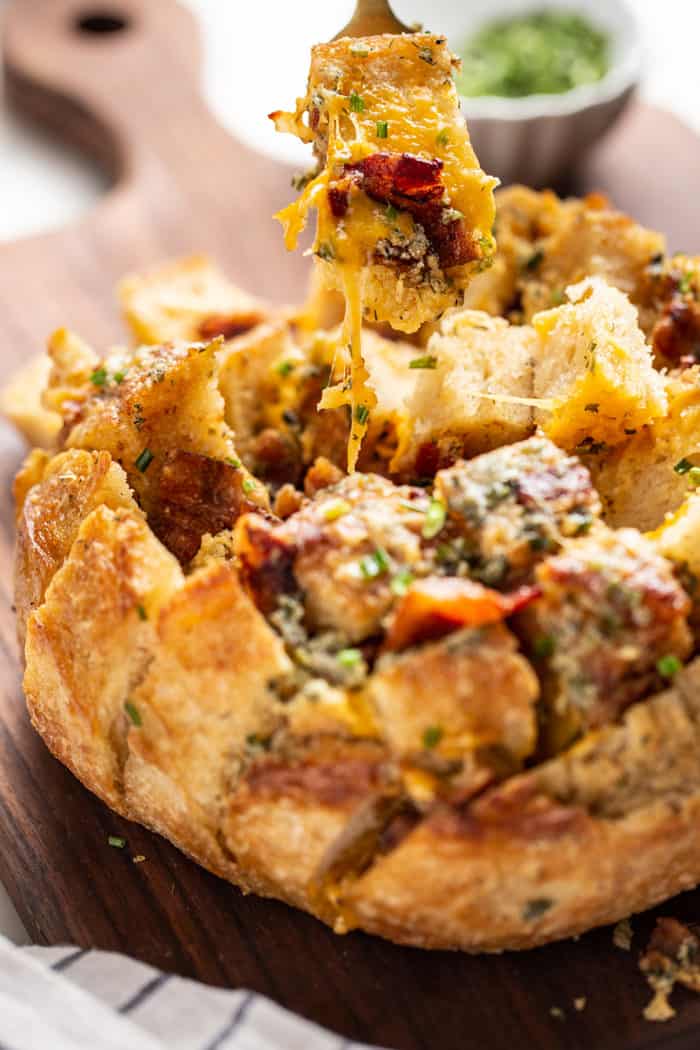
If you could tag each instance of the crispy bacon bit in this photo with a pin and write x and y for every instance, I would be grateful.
(197, 494)
(412, 184)
(399, 177)
(676, 336)
(321, 475)
(229, 326)
(672, 956)
(428, 460)
(266, 561)
(276, 457)
(438, 605)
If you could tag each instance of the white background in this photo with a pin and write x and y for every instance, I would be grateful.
(42, 186)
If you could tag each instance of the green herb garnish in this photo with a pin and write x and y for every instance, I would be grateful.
(144, 460)
(382, 129)
(248, 485)
(362, 414)
(401, 582)
(536, 907)
(426, 361)
(534, 261)
(543, 646)
(683, 466)
(432, 736)
(357, 103)
(283, 368)
(99, 377)
(435, 518)
(390, 213)
(142, 614)
(545, 52)
(133, 713)
(442, 138)
(374, 564)
(668, 666)
(325, 251)
(349, 657)
(117, 841)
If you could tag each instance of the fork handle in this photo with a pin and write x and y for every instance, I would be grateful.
(372, 17)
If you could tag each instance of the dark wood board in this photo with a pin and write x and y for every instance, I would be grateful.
(131, 100)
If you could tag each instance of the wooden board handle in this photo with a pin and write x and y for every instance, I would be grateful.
(80, 69)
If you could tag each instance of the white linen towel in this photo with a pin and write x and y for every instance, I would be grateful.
(69, 999)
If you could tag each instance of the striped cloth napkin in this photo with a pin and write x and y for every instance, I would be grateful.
(69, 999)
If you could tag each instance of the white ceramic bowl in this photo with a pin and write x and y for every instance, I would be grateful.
(539, 138)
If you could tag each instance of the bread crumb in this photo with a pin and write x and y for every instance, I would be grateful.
(580, 1003)
(622, 935)
(672, 956)
(138, 859)
(556, 1011)
(659, 1009)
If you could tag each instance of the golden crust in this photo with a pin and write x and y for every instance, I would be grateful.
(390, 792)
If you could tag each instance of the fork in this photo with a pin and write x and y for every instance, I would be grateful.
(372, 17)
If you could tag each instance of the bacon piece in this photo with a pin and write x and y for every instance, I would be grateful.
(438, 605)
(229, 326)
(197, 494)
(400, 177)
(676, 336)
(412, 184)
(266, 561)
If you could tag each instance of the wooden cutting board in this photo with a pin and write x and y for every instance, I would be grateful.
(125, 89)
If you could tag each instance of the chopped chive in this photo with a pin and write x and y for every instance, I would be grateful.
(442, 138)
(99, 377)
(374, 564)
(357, 103)
(668, 666)
(133, 713)
(401, 582)
(144, 460)
(382, 129)
(683, 466)
(284, 368)
(235, 463)
(534, 260)
(117, 841)
(334, 509)
(119, 377)
(686, 283)
(391, 213)
(248, 485)
(450, 215)
(362, 414)
(434, 519)
(432, 736)
(694, 476)
(325, 251)
(536, 907)
(426, 361)
(543, 646)
(349, 657)
(143, 615)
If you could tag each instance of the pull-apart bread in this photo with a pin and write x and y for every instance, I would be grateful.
(453, 696)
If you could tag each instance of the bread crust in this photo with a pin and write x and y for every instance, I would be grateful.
(322, 822)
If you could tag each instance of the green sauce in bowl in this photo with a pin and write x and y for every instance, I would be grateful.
(542, 53)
